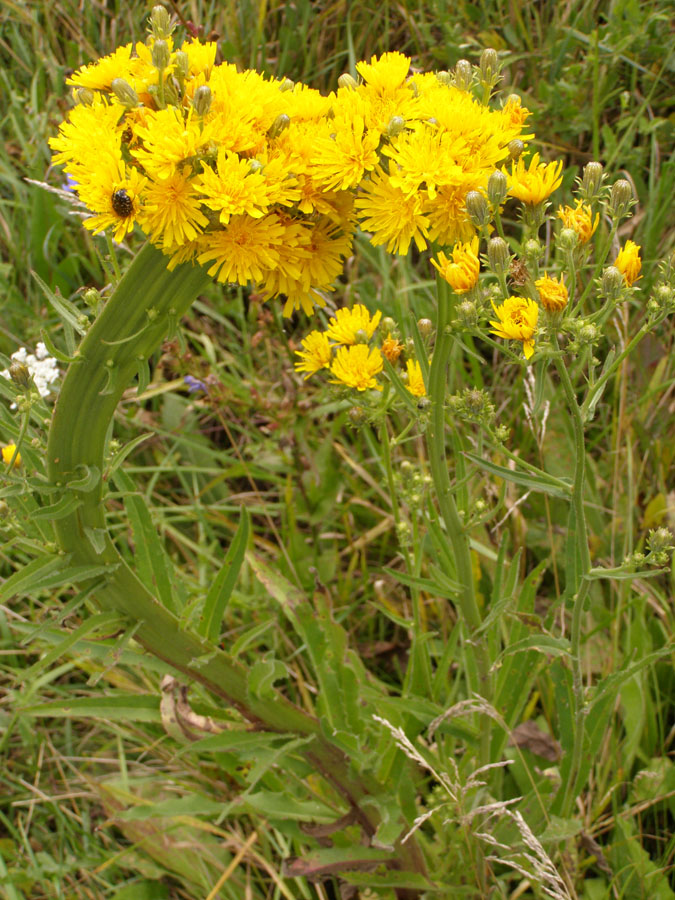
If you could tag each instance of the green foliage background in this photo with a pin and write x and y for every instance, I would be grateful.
(599, 78)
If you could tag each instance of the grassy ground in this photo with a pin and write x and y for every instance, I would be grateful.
(77, 792)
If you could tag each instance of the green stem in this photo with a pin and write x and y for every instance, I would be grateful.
(456, 532)
(582, 584)
(128, 330)
(588, 403)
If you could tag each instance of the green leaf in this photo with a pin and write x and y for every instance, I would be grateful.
(235, 741)
(637, 875)
(109, 620)
(221, 590)
(441, 586)
(44, 572)
(118, 708)
(540, 483)
(559, 830)
(142, 890)
(391, 878)
(67, 311)
(54, 351)
(128, 448)
(561, 677)
(59, 510)
(190, 805)
(153, 565)
(263, 675)
(544, 643)
(282, 806)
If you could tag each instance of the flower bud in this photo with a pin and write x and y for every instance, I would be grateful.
(182, 63)
(444, 77)
(254, 165)
(498, 255)
(161, 55)
(497, 188)
(653, 307)
(477, 208)
(160, 23)
(395, 126)
(568, 239)
(467, 314)
(664, 296)
(588, 333)
(488, 64)
(463, 74)
(612, 283)
(515, 148)
(124, 93)
(84, 96)
(91, 297)
(423, 403)
(388, 325)
(592, 179)
(532, 249)
(361, 336)
(280, 124)
(425, 327)
(347, 81)
(357, 415)
(20, 375)
(621, 198)
(659, 539)
(201, 101)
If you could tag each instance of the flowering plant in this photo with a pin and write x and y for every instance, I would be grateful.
(263, 182)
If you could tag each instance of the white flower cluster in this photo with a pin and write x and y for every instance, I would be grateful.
(41, 365)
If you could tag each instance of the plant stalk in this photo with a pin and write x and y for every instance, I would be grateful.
(130, 327)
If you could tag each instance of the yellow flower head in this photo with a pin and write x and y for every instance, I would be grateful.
(552, 293)
(391, 215)
(351, 324)
(8, 453)
(391, 348)
(415, 381)
(535, 183)
(344, 154)
(171, 214)
(317, 354)
(462, 273)
(628, 262)
(517, 321)
(357, 366)
(580, 220)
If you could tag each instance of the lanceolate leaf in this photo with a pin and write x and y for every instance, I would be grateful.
(539, 483)
(221, 589)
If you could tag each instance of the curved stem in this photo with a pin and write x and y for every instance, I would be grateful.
(128, 330)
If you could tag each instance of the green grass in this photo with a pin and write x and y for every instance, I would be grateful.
(599, 80)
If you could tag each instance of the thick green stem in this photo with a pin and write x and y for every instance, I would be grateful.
(456, 532)
(580, 588)
(130, 327)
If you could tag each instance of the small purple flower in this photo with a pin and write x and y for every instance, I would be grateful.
(194, 384)
(69, 184)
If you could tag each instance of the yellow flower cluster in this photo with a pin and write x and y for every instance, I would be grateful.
(345, 349)
(265, 181)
